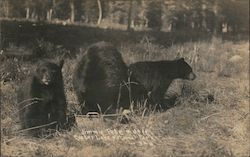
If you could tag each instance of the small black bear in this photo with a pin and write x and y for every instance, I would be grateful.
(42, 99)
(156, 76)
(100, 78)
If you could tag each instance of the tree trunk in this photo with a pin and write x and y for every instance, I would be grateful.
(129, 15)
(49, 14)
(27, 13)
(217, 27)
(6, 8)
(203, 17)
(165, 22)
(100, 12)
(72, 11)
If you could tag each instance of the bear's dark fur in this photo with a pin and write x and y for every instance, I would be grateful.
(42, 99)
(100, 79)
(156, 76)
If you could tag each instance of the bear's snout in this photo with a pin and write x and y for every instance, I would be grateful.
(46, 79)
(191, 76)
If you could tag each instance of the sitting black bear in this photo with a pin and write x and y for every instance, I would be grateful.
(42, 99)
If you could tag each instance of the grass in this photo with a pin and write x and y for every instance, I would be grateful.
(196, 126)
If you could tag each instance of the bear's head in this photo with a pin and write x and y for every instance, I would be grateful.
(48, 73)
(185, 70)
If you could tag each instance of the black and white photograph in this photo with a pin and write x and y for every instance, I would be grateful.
(124, 78)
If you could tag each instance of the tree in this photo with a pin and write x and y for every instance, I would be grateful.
(166, 25)
(118, 12)
(235, 15)
(216, 10)
(100, 12)
(50, 9)
(129, 15)
(5, 12)
(154, 13)
(72, 11)
(90, 9)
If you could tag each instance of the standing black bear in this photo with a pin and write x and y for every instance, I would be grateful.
(42, 99)
(156, 76)
(100, 79)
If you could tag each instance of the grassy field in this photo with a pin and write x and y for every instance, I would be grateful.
(195, 127)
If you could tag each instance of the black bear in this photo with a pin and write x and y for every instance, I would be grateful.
(42, 99)
(100, 80)
(156, 76)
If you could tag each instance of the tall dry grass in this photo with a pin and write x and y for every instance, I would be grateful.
(196, 126)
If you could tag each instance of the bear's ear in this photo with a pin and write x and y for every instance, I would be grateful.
(181, 59)
(60, 64)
